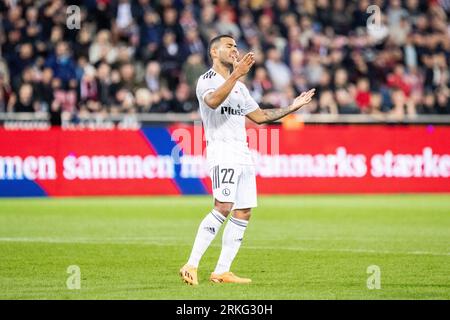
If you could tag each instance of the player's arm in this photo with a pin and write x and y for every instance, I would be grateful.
(261, 116)
(215, 98)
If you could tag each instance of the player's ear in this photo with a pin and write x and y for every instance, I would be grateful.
(213, 51)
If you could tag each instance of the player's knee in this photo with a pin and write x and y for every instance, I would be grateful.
(243, 214)
(223, 207)
(224, 210)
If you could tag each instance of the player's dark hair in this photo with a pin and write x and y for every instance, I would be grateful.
(215, 40)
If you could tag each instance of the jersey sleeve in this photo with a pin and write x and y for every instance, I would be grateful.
(250, 103)
(205, 86)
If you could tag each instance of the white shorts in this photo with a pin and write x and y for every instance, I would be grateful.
(236, 184)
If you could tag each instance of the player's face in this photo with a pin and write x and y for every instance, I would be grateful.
(228, 52)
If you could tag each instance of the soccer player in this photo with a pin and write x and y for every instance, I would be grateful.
(224, 104)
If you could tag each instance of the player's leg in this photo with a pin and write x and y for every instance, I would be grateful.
(231, 242)
(235, 228)
(224, 194)
(207, 231)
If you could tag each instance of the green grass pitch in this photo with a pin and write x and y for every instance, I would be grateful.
(296, 247)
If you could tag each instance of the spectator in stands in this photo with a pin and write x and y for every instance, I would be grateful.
(5, 93)
(313, 69)
(396, 13)
(104, 84)
(442, 102)
(128, 77)
(65, 99)
(193, 43)
(88, 85)
(25, 102)
(150, 35)
(170, 24)
(153, 79)
(398, 81)
(327, 103)
(102, 49)
(160, 101)
(362, 95)
(187, 20)
(193, 68)
(278, 71)
(183, 101)
(223, 7)
(62, 64)
(170, 57)
(261, 84)
(227, 24)
(398, 111)
(376, 103)
(344, 93)
(82, 45)
(160, 47)
(21, 60)
(207, 22)
(427, 106)
(44, 92)
(143, 100)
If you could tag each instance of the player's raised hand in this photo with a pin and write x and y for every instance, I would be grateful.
(304, 98)
(243, 66)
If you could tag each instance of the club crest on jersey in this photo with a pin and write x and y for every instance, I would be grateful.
(231, 111)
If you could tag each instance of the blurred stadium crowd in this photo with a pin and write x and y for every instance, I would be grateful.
(140, 56)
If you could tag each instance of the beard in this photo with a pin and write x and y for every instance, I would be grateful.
(227, 64)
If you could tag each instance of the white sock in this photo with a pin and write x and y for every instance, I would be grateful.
(206, 233)
(231, 242)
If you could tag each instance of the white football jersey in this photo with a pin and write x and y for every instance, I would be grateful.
(225, 126)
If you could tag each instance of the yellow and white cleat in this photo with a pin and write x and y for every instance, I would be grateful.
(228, 277)
(189, 274)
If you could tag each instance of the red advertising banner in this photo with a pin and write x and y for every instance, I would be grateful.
(312, 159)
(358, 159)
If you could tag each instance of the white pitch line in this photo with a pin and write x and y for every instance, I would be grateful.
(353, 250)
(104, 240)
(163, 242)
